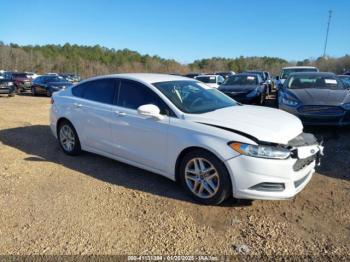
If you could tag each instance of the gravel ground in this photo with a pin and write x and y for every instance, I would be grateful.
(55, 204)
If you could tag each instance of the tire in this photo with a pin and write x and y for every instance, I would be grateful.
(33, 91)
(66, 132)
(48, 93)
(12, 94)
(219, 185)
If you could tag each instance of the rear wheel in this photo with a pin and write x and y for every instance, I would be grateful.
(33, 91)
(68, 138)
(48, 93)
(205, 177)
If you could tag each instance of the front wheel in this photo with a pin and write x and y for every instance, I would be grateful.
(68, 138)
(205, 177)
(48, 93)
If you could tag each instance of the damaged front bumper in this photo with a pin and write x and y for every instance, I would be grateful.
(276, 179)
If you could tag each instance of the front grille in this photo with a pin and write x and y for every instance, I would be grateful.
(321, 110)
(300, 181)
(301, 163)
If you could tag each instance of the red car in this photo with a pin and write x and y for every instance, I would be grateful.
(22, 81)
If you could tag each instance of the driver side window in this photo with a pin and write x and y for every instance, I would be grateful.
(133, 94)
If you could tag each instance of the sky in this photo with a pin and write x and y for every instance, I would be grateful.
(184, 30)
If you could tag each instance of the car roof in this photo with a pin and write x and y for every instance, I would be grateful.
(254, 71)
(313, 73)
(211, 75)
(247, 73)
(146, 77)
(301, 67)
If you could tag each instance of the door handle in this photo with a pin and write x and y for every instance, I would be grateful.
(77, 105)
(118, 113)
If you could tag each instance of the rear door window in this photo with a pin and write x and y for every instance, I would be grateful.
(102, 90)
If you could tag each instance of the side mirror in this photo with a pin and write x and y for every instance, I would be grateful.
(150, 110)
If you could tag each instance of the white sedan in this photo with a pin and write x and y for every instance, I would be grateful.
(186, 131)
(211, 80)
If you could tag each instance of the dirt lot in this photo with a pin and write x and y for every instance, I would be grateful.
(55, 204)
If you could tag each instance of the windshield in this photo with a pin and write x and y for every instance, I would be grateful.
(55, 79)
(346, 80)
(20, 75)
(193, 97)
(317, 81)
(286, 72)
(261, 74)
(207, 79)
(244, 80)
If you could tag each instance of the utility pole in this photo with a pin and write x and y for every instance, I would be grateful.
(329, 22)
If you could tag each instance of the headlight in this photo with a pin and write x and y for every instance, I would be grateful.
(287, 100)
(261, 151)
(346, 106)
(9, 84)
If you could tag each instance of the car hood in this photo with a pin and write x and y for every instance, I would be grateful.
(263, 123)
(315, 96)
(237, 88)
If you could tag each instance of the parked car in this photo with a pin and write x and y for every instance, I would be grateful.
(265, 76)
(31, 75)
(316, 98)
(48, 84)
(22, 81)
(6, 84)
(245, 88)
(225, 74)
(73, 78)
(345, 79)
(286, 71)
(211, 80)
(192, 75)
(186, 131)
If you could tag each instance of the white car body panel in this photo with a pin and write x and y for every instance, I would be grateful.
(155, 145)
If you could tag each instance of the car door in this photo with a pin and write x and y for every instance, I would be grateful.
(92, 110)
(138, 138)
(36, 83)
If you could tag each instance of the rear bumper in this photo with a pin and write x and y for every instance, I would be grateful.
(7, 90)
(24, 86)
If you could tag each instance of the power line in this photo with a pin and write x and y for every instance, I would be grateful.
(329, 22)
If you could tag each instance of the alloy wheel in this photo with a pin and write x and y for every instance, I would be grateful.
(202, 178)
(67, 138)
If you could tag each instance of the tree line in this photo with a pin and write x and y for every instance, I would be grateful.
(97, 60)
